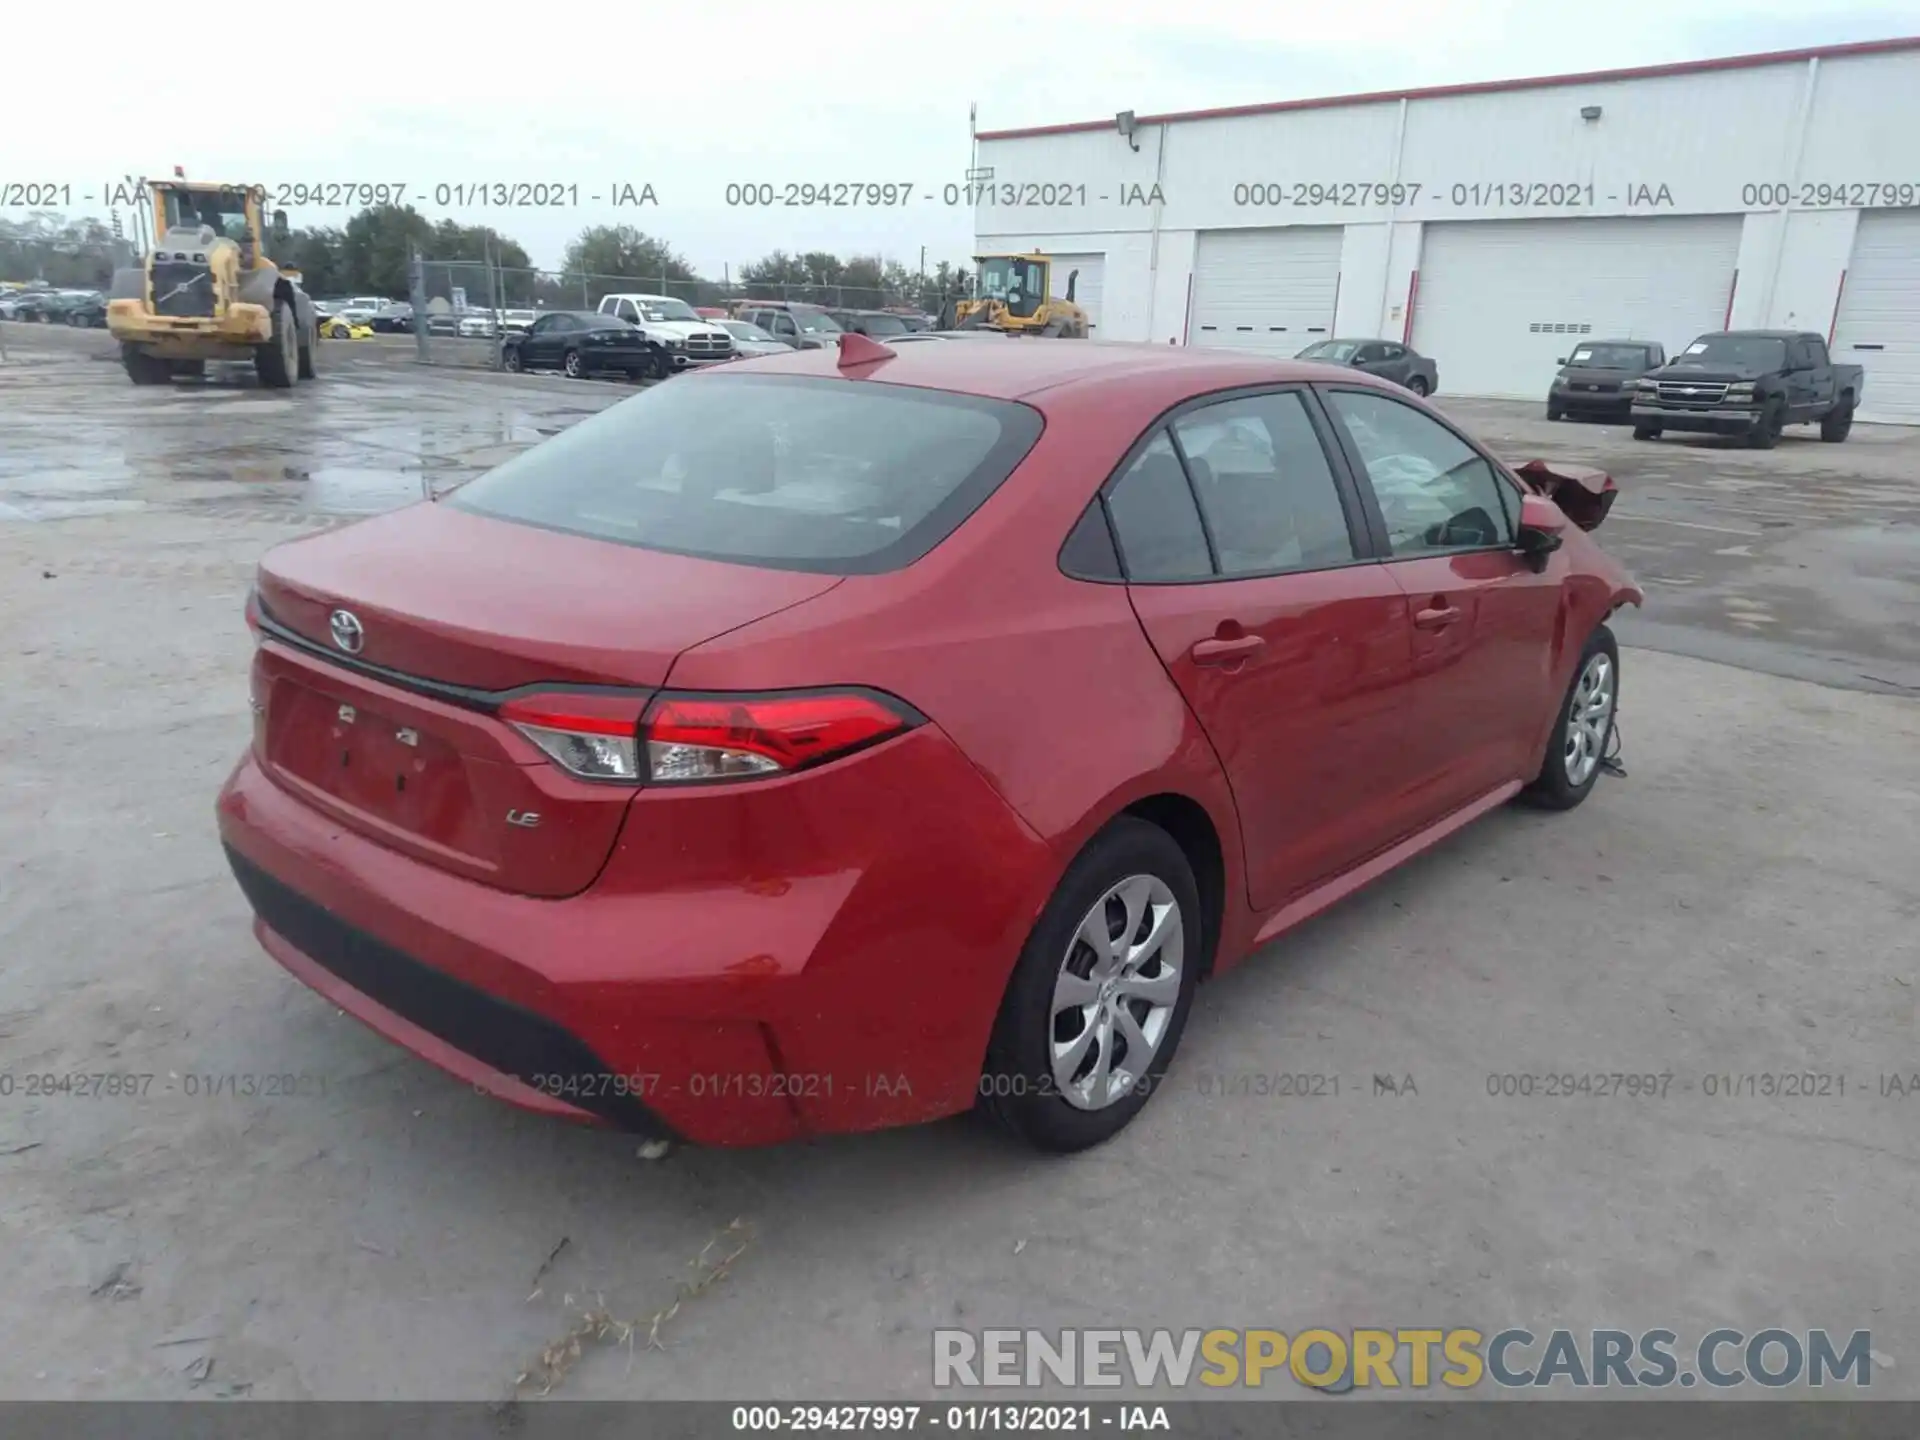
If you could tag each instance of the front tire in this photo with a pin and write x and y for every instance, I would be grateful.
(570, 363)
(1837, 424)
(1582, 730)
(1554, 412)
(1418, 385)
(1766, 434)
(1100, 994)
(306, 354)
(661, 365)
(145, 369)
(510, 360)
(276, 361)
(1646, 432)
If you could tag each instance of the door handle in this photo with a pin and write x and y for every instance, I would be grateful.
(1437, 617)
(1225, 652)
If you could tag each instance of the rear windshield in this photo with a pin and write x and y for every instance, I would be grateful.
(794, 473)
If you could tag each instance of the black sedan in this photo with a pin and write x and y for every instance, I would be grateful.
(1599, 377)
(581, 343)
(1385, 358)
(88, 312)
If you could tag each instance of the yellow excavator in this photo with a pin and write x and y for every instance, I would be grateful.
(207, 290)
(1014, 293)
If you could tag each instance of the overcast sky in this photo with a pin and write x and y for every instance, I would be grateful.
(688, 96)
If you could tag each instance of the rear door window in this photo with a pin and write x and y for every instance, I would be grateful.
(787, 472)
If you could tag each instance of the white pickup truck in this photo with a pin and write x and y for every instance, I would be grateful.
(674, 326)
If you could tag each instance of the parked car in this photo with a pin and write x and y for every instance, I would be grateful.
(477, 325)
(1390, 361)
(15, 301)
(1599, 377)
(86, 312)
(805, 327)
(395, 319)
(443, 323)
(749, 339)
(518, 321)
(877, 324)
(1749, 383)
(361, 309)
(581, 343)
(691, 807)
(338, 327)
(42, 306)
(674, 326)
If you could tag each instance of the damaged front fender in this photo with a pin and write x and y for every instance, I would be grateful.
(1585, 496)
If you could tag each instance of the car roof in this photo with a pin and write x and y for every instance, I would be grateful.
(1165, 373)
(1765, 334)
(1603, 340)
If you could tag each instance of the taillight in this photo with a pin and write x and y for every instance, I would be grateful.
(689, 738)
(692, 738)
(592, 735)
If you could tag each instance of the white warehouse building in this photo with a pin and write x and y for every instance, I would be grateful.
(1485, 225)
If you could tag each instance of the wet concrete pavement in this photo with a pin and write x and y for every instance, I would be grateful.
(288, 1207)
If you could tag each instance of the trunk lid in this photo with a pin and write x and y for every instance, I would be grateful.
(398, 738)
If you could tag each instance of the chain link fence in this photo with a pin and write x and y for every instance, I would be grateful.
(462, 308)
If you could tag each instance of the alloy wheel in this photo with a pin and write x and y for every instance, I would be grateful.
(1117, 989)
(1589, 719)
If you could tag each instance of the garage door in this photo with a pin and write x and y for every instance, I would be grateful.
(1086, 289)
(1498, 302)
(1269, 291)
(1879, 323)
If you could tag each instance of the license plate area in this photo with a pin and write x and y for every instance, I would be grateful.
(383, 767)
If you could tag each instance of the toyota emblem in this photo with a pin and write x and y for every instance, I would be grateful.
(347, 631)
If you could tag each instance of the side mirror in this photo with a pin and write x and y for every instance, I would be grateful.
(1561, 361)
(1541, 529)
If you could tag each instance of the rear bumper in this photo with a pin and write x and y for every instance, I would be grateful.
(751, 966)
(1702, 422)
(621, 360)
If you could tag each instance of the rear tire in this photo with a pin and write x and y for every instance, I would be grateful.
(1044, 1085)
(1582, 729)
(1837, 424)
(276, 361)
(1646, 432)
(144, 369)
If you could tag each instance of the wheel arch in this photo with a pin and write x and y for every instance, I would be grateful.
(1192, 828)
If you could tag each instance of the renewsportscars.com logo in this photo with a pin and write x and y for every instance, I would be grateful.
(1458, 1358)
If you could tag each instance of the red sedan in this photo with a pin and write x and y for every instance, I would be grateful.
(848, 739)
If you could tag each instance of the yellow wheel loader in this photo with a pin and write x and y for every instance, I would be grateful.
(1014, 293)
(208, 291)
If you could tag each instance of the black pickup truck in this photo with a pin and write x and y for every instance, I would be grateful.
(1749, 383)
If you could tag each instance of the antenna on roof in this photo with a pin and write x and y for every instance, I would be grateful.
(857, 351)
